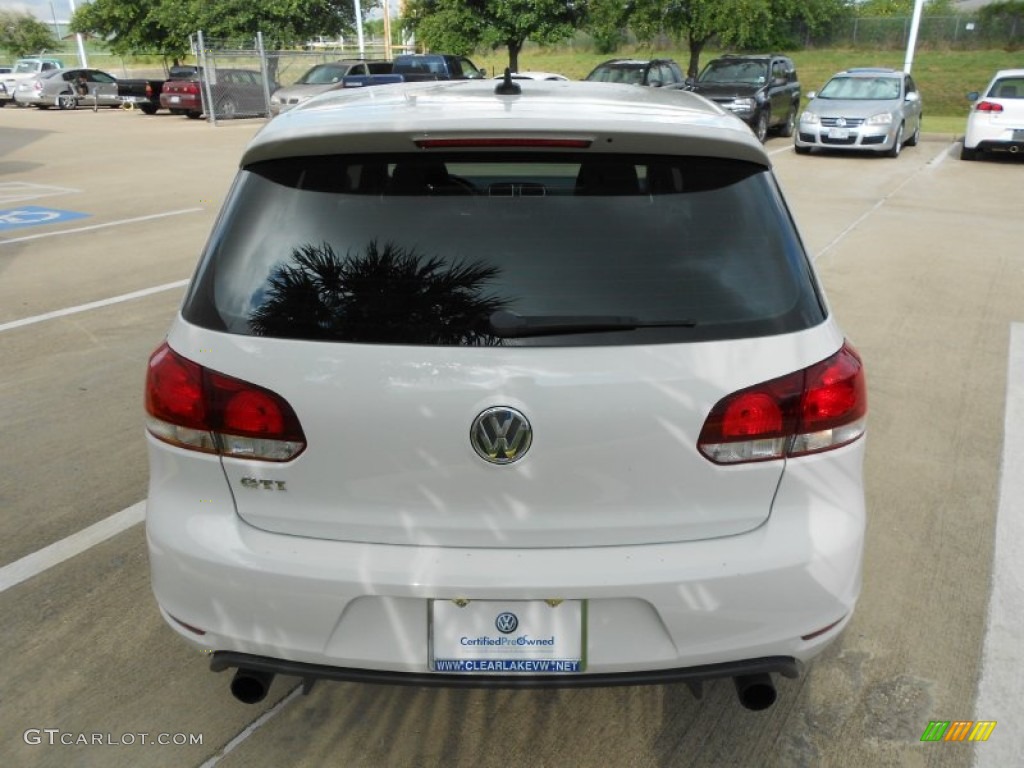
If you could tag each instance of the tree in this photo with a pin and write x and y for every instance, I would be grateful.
(165, 26)
(22, 34)
(738, 23)
(459, 26)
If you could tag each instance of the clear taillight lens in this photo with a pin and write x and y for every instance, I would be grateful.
(198, 409)
(817, 409)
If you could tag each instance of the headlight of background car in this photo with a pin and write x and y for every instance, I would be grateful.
(883, 118)
(811, 118)
(744, 104)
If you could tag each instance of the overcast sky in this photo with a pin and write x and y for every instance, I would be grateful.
(41, 9)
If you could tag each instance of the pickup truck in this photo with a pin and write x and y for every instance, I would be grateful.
(24, 69)
(435, 66)
(142, 94)
(760, 89)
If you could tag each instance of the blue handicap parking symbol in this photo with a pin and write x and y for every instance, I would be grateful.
(34, 215)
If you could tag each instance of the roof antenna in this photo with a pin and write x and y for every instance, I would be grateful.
(507, 87)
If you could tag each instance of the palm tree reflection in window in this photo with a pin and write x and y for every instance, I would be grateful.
(385, 295)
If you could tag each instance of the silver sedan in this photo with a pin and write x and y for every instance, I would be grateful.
(862, 109)
(68, 88)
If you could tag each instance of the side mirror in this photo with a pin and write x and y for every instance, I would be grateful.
(913, 96)
(654, 83)
(812, 95)
(973, 96)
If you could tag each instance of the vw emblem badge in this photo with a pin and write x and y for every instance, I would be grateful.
(841, 122)
(501, 435)
(506, 622)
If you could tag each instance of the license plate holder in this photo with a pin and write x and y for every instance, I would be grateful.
(839, 134)
(502, 637)
(1018, 134)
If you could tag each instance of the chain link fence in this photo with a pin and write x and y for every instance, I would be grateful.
(238, 79)
(954, 32)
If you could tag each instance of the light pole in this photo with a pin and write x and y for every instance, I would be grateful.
(359, 30)
(82, 62)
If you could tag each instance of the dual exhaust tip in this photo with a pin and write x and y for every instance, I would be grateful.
(755, 692)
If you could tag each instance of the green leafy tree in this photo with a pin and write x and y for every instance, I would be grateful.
(165, 26)
(460, 26)
(736, 23)
(22, 34)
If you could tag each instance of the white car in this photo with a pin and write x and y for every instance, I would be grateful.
(522, 384)
(996, 121)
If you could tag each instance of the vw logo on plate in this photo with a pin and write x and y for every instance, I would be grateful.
(506, 622)
(501, 435)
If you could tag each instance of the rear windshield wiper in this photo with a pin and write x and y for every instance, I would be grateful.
(509, 325)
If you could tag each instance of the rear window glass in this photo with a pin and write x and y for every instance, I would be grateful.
(435, 249)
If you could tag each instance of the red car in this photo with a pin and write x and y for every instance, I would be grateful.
(235, 93)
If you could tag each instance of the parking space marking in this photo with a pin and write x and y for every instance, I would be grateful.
(1001, 672)
(56, 553)
(9, 326)
(34, 216)
(19, 191)
(254, 726)
(91, 227)
(930, 165)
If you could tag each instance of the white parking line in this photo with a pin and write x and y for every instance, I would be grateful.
(254, 726)
(92, 227)
(19, 191)
(56, 553)
(931, 164)
(91, 305)
(1002, 675)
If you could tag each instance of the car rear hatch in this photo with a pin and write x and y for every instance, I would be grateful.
(492, 353)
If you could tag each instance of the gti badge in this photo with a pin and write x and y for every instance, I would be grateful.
(501, 435)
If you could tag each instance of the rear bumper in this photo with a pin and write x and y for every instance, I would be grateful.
(787, 667)
(652, 610)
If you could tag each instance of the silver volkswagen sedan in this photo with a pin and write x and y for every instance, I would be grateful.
(862, 109)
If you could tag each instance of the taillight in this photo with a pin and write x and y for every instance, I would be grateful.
(989, 106)
(149, 91)
(817, 409)
(198, 409)
(191, 88)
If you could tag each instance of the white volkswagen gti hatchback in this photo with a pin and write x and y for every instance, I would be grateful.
(996, 121)
(497, 385)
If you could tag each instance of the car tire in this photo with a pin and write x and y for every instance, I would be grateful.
(897, 144)
(761, 126)
(968, 154)
(227, 109)
(912, 141)
(149, 109)
(788, 127)
(193, 114)
(66, 101)
(801, 150)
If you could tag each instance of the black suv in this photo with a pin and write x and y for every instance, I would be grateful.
(761, 89)
(653, 72)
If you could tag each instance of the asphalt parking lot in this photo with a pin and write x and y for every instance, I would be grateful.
(102, 216)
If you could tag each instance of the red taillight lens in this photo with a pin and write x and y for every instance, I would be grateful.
(191, 88)
(989, 106)
(752, 414)
(202, 410)
(174, 390)
(817, 409)
(149, 91)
